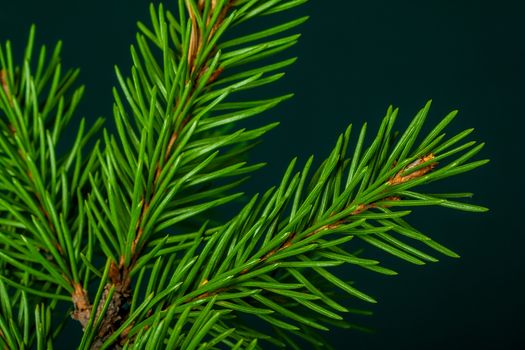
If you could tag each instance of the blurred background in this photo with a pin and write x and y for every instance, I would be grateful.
(355, 59)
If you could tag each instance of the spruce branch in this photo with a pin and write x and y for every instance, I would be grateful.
(177, 141)
(260, 262)
(41, 230)
(113, 214)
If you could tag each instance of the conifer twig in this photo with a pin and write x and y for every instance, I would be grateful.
(138, 200)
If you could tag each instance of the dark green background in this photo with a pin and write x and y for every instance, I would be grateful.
(356, 58)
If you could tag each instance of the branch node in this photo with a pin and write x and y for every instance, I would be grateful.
(399, 178)
(82, 311)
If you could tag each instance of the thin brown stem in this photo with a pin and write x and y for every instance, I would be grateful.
(5, 85)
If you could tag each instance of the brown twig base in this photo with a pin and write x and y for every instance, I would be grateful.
(116, 312)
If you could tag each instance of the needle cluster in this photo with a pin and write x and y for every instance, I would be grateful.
(116, 226)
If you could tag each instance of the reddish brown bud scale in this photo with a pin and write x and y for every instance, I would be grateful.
(399, 178)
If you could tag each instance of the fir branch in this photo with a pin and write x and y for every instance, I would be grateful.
(41, 232)
(173, 101)
(175, 156)
(258, 262)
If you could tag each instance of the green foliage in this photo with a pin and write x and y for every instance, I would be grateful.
(122, 215)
